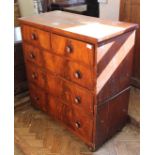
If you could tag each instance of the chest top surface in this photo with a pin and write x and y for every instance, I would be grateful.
(93, 28)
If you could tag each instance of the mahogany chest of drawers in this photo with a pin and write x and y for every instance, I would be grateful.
(79, 70)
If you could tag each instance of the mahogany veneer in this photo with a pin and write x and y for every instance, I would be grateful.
(79, 71)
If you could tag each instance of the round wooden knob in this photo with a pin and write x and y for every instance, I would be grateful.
(32, 56)
(33, 36)
(69, 49)
(77, 125)
(78, 74)
(34, 76)
(77, 99)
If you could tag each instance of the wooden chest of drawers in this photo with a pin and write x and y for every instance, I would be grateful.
(79, 71)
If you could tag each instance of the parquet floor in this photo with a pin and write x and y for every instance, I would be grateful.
(37, 134)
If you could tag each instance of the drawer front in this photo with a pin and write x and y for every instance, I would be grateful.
(83, 125)
(69, 70)
(74, 49)
(54, 63)
(33, 54)
(38, 97)
(36, 36)
(60, 111)
(71, 94)
(35, 75)
(79, 74)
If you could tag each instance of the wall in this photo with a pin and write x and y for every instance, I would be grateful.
(26, 7)
(109, 10)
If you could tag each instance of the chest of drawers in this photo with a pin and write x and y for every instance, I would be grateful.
(79, 70)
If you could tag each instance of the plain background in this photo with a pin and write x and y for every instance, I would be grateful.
(7, 77)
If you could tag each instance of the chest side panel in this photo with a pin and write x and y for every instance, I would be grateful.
(114, 66)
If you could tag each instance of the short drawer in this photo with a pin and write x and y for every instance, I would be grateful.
(72, 94)
(70, 70)
(36, 36)
(38, 97)
(35, 75)
(73, 49)
(33, 54)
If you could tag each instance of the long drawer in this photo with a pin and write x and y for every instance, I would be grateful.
(70, 70)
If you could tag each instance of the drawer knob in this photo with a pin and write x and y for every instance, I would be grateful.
(77, 99)
(78, 75)
(34, 76)
(33, 36)
(77, 125)
(32, 56)
(69, 49)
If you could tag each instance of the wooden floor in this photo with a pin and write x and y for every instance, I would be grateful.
(134, 105)
(37, 134)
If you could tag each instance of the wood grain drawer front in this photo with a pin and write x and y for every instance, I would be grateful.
(71, 94)
(53, 63)
(78, 97)
(74, 49)
(36, 36)
(35, 75)
(83, 125)
(79, 74)
(33, 54)
(38, 97)
(69, 70)
(60, 110)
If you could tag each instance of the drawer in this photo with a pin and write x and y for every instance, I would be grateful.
(79, 74)
(73, 49)
(72, 94)
(33, 54)
(38, 97)
(35, 75)
(36, 36)
(69, 70)
(54, 63)
(82, 124)
(60, 111)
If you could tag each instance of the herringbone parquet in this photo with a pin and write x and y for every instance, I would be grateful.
(38, 134)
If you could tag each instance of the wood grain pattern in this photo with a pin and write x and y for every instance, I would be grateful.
(71, 93)
(33, 54)
(35, 75)
(36, 36)
(72, 71)
(73, 49)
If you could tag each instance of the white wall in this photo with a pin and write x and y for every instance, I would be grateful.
(26, 7)
(110, 10)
